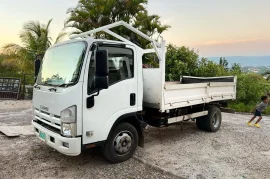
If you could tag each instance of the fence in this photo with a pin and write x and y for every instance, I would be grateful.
(26, 86)
(9, 88)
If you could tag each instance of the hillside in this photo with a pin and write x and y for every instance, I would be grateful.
(256, 64)
(246, 61)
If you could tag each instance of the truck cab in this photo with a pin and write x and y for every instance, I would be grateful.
(94, 92)
(68, 111)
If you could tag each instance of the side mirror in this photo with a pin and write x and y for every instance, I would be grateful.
(102, 70)
(37, 64)
(37, 67)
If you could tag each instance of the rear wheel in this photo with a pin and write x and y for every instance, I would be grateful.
(212, 121)
(121, 143)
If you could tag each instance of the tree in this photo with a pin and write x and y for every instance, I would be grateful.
(91, 14)
(250, 87)
(183, 61)
(224, 63)
(236, 69)
(207, 68)
(35, 40)
(6, 70)
(180, 61)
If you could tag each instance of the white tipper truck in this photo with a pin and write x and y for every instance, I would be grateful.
(95, 93)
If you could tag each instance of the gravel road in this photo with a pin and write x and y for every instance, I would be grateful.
(13, 105)
(235, 151)
(28, 157)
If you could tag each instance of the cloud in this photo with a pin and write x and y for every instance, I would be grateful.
(221, 42)
(247, 47)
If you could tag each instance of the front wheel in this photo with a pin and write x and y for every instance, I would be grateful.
(121, 143)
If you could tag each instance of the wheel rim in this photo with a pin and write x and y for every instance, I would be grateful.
(123, 142)
(216, 120)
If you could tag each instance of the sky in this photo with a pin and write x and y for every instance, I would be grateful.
(210, 27)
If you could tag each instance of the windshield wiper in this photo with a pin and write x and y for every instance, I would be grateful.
(66, 84)
(37, 86)
(52, 89)
(62, 85)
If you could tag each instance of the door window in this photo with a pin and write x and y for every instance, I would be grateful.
(121, 65)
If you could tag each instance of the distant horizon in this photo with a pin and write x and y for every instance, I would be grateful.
(236, 56)
(245, 61)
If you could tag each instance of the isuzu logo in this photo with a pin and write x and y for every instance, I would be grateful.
(44, 108)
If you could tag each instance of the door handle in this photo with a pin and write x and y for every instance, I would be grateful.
(132, 99)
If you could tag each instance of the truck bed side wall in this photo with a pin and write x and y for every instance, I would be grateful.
(182, 95)
(152, 81)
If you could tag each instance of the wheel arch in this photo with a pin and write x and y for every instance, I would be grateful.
(132, 119)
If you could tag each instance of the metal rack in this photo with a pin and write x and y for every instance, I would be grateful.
(158, 47)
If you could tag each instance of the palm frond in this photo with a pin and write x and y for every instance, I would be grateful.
(48, 25)
(33, 27)
(12, 49)
(60, 36)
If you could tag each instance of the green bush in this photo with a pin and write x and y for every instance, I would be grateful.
(250, 87)
(207, 68)
(180, 61)
(184, 61)
(241, 107)
(267, 111)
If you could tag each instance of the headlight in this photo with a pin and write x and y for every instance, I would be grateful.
(68, 130)
(68, 122)
(69, 115)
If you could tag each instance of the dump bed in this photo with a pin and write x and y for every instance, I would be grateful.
(188, 91)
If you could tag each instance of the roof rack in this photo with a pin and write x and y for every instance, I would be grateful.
(107, 30)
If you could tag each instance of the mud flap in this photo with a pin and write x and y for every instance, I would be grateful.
(141, 141)
(141, 134)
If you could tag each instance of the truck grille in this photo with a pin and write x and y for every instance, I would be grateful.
(47, 120)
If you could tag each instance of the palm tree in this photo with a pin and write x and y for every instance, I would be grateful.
(91, 14)
(35, 41)
(149, 25)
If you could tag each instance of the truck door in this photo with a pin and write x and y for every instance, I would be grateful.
(118, 100)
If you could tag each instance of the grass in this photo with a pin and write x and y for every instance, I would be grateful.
(241, 107)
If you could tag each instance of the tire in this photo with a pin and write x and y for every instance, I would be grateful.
(121, 143)
(212, 121)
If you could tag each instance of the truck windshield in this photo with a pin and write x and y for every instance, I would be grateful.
(62, 65)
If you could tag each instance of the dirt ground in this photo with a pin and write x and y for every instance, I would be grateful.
(28, 157)
(14, 105)
(235, 151)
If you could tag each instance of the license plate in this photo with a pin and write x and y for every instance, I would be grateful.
(42, 135)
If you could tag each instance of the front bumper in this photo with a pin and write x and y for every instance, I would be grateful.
(67, 146)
